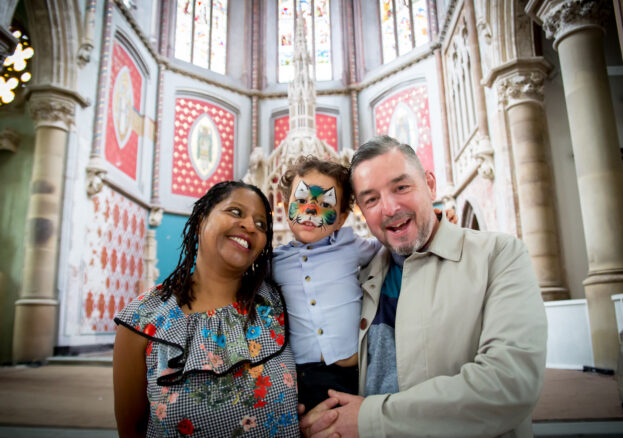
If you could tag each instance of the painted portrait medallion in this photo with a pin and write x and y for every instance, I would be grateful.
(204, 146)
(122, 106)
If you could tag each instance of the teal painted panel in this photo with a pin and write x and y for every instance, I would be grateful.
(169, 238)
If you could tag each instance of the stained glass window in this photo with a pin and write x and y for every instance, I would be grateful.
(318, 27)
(201, 33)
(15, 72)
(404, 25)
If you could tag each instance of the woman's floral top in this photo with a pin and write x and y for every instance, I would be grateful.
(208, 375)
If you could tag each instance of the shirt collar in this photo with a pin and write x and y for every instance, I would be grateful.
(398, 259)
(328, 240)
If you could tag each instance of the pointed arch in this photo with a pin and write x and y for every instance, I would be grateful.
(471, 217)
(55, 30)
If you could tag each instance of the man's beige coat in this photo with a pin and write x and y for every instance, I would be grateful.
(470, 339)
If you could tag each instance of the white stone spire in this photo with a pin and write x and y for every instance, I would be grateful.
(300, 141)
(302, 89)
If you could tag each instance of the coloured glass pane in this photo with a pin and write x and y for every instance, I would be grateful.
(304, 7)
(183, 29)
(201, 38)
(403, 22)
(388, 37)
(420, 22)
(286, 39)
(318, 34)
(218, 53)
(322, 30)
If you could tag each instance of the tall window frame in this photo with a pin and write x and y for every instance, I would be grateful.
(317, 15)
(201, 33)
(401, 21)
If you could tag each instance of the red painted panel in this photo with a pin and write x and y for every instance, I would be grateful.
(186, 179)
(124, 111)
(326, 129)
(416, 98)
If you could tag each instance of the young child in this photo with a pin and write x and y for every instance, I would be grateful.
(317, 273)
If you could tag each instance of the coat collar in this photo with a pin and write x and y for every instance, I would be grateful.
(447, 242)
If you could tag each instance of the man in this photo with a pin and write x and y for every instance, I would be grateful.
(453, 328)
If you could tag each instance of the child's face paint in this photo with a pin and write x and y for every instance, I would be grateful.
(313, 204)
(314, 207)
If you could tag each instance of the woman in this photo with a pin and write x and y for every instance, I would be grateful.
(205, 353)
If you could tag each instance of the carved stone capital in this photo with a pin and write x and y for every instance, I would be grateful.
(52, 109)
(96, 173)
(561, 17)
(520, 87)
(9, 140)
(448, 199)
(155, 216)
(484, 154)
(84, 54)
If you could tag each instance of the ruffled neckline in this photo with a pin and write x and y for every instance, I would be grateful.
(212, 342)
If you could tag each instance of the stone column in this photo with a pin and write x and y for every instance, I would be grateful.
(576, 28)
(520, 87)
(36, 308)
(150, 261)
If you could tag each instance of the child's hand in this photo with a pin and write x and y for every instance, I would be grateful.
(450, 215)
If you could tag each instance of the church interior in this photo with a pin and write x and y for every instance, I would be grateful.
(117, 115)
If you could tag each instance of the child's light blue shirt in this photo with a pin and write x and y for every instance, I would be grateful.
(322, 293)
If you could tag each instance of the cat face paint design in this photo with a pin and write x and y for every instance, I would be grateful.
(313, 205)
(313, 209)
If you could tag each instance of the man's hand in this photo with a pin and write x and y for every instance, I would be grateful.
(343, 421)
(320, 417)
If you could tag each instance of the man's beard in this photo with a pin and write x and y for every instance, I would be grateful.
(409, 248)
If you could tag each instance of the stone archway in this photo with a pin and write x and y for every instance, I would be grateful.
(469, 219)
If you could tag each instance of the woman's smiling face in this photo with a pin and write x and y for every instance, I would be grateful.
(234, 233)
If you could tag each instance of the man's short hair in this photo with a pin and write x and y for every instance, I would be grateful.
(304, 165)
(379, 146)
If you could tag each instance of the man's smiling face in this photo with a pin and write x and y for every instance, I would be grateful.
(397, 201)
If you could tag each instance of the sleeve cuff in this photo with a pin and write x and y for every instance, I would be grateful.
(369, 421)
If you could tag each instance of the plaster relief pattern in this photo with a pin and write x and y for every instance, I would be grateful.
(326, 129)
(113, 260)
(405, 116)
(203, 146)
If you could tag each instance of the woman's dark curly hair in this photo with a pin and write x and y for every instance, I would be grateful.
(180, 282)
